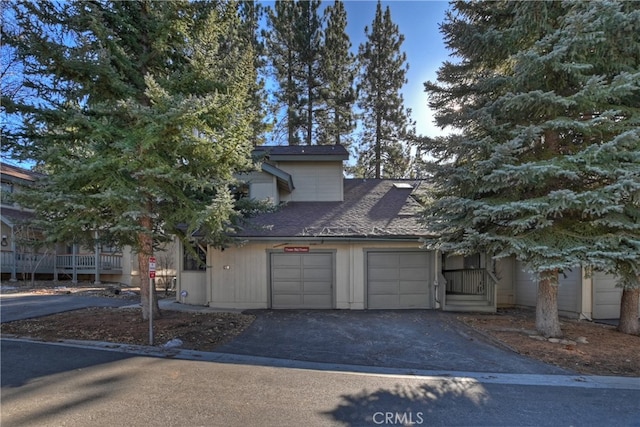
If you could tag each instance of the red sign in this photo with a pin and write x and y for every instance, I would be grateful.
(296, 249)
(152, 267)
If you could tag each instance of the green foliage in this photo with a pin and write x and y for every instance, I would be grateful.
(386, 123)
(142, 117)
(546, 166)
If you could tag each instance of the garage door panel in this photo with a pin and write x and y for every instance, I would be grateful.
(312, 260)
(287, 274)
(287, 300)
(413, 287)
(382, 287)
(414, 301)
(316, 300)
(412, 260)
(380, 274)
(286, 287)
(317, 274)
(282, 260)
(418, 274)
(302, 280)
(383, 261)
(398, 280)
(383, 301)
(317, 288)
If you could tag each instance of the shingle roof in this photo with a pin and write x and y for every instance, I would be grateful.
(11, 173)
(371, 208)
(303, 152)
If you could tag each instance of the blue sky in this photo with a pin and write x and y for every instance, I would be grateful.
(419, 22)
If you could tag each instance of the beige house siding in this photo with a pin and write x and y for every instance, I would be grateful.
(320, 182)
(569, 290)
(239, 277)
(262, 186)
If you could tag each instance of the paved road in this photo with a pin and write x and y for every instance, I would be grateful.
(19, 307)
(52, 385)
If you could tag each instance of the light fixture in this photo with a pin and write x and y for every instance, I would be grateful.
(4, 240)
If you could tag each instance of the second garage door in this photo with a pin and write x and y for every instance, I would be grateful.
(302, 280)
(398, 280)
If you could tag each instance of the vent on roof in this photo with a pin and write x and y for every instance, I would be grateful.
(402, 185)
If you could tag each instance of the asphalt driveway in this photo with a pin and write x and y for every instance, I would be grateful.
(413, 339)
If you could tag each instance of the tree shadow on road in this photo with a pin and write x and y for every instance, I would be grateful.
(424, 404)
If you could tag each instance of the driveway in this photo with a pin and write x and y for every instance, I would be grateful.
(412, 339)
(19, 307)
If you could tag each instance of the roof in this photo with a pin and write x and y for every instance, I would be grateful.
(371, 208)
(13, 216)
(303, 152)
(16, 173)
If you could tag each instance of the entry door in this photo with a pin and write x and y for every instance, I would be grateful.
(302, 280)
(398, 280)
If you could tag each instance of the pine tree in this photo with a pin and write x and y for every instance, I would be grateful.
(337, 121)
(282, 52)
(142, 120)
(386, 122)
(546, 166)
(251, 14)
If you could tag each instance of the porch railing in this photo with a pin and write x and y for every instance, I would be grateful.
(472, 281)
(50, 263)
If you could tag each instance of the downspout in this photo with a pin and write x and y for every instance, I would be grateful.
(436, 280)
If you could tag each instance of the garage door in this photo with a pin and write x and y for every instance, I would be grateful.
(398, 280)
(302, 280)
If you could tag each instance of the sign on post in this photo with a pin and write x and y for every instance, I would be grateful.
(152, 267)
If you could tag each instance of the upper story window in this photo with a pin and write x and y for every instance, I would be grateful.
(7, 193)
(190, 262)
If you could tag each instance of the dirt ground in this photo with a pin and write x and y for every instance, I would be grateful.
(587, 347)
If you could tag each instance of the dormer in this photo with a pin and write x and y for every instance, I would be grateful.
(299, 173)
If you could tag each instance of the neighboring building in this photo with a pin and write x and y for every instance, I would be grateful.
(334, 243)
(25, 254)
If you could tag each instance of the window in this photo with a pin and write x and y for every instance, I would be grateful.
(190, 263)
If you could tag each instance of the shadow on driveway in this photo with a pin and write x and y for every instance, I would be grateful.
(413, 339)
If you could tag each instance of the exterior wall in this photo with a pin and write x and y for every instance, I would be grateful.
(606, 296)
(262, 186)
(239, 277)
(191, 286)
(569, 291)
(504, 270)
(314, 182)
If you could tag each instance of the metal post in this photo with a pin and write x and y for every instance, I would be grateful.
(96, 249)
(74, 262)
(151, 292)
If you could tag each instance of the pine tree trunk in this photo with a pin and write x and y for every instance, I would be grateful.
(629, 323)
(547, 320)
(378, 146)
(145, 241)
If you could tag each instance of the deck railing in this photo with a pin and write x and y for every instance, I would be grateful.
(25, 262)
(472, 281)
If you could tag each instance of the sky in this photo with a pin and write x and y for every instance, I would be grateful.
(419, 22)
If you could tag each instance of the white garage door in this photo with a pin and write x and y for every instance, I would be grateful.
(398, 280)
(302, 280)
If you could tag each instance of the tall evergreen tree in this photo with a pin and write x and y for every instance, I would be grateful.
(386, 122)
(337, 121)
(282, 51)
(251, 14)
(546, 167)
(308, 30)
(142, 121)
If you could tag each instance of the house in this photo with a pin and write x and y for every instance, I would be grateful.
(335, 243)
(25, 254)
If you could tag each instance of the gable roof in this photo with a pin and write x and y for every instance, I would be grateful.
(302, 152)
(371, 208)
